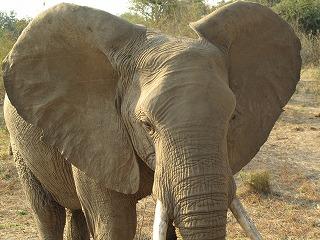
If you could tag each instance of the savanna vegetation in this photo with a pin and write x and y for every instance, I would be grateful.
(173, 16)
(280, 187)
(10, 29)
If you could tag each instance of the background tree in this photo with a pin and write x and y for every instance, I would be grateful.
(10, 29)
(11, 25)
(169, 16)
(306, 13)
(269, 3)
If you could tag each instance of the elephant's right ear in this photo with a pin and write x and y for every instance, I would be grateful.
(59, 78)
(263, 58)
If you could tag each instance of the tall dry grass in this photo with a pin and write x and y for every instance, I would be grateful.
(310, 47)
(6, 44)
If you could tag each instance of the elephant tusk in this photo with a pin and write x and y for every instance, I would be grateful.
(244, 220)
(161, 221)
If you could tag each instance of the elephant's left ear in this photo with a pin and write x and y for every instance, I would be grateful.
(263, 59)
(60, 78)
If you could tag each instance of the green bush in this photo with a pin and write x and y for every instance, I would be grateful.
(169, 16)
(6, 43)
(306, 13)
(257, 181)
(304, 17)
(173, 16)
(11, 25)
(10, 29)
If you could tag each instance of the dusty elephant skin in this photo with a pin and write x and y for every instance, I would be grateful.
(102, 112)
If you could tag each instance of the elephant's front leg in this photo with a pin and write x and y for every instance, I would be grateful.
(49, 215)
(109, 214)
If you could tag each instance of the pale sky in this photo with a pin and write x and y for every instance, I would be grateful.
(30, 8)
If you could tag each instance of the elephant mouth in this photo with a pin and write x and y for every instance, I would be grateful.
(161, 221)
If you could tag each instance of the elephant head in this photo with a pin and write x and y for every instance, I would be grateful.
(107, 93)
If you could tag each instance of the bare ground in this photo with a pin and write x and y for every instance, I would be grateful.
(291, 156)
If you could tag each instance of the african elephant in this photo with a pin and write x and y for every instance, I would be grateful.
(102, 112)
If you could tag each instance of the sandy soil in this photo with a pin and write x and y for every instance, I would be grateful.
(291, 156)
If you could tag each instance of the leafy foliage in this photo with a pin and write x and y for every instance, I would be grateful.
(173, 16)
(169, 16)
(268, 3)
(134, 18)
(11, 25)
(5, 45)
(10, 29)
(305, 12)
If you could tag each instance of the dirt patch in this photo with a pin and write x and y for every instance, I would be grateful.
(291, 156)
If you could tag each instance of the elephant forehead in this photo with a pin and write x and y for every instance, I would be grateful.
(158, 52)
(198, 67)
(176, 60)
(171, 65)
(183, 90)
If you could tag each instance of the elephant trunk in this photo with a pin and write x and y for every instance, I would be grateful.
(201, 211)
(161, 221)
(194, 184)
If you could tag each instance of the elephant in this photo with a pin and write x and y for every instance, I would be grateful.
(102, 112)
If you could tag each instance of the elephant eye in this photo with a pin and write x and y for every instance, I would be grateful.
(147, 126)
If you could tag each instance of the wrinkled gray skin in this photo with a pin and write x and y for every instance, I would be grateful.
(174, 99)
(187, 117)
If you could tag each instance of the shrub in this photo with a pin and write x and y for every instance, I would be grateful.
(168, 16)
(10, 29)
(310, 47)
(257, 181)
(305, 12)
(172, 17)
(5, 45)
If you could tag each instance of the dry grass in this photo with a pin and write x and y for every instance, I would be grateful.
(16, 220)
(291, 211)
(311, 85)
(310, 48)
